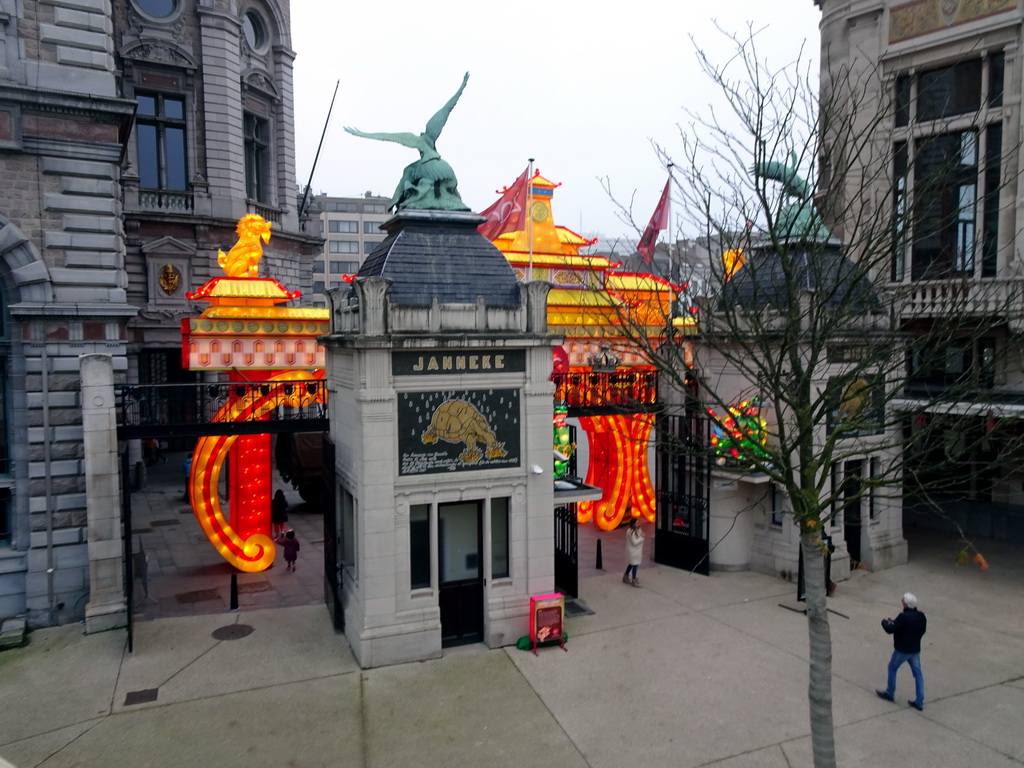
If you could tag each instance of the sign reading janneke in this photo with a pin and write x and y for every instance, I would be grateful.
(461, 362)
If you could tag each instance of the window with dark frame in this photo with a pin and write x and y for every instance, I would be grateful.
(160, 141)
(499, 539)
(419, 546)
(257, 158)
(954, 175)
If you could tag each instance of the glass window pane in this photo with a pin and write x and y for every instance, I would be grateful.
(499, 538)
(990, 237)
(954, 90)
(149, 164)
(902, 100)
(419, 546)
(174, 108)
(174, 141)
(147, 105)
(996, 65)
(158, 9)
(459, 541)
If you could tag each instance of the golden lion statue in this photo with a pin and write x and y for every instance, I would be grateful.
(243, 260)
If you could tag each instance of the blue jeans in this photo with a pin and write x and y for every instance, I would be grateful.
(914, 659)
(631, 568)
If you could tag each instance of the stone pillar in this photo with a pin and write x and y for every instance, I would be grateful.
(106, 608)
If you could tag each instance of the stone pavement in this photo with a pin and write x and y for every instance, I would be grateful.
(686, 671)
(186, 575)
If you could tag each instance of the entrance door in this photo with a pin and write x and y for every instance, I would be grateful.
(460, 572)
(684, 488)
(852, 509)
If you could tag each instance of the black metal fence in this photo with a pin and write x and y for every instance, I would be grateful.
(159, 410)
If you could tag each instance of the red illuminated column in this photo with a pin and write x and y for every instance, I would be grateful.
(251, 485)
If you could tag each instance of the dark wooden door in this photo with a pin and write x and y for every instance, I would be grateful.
(460, 572)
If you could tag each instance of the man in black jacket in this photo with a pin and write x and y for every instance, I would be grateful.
(907, 630)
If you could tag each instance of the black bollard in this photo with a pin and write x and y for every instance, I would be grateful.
(600, 560)
(234, 591)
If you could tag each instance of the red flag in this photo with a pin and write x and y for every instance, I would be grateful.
(508, 214)
(658, 222)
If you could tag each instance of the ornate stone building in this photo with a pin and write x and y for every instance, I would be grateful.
(938, 86)
(133, 136)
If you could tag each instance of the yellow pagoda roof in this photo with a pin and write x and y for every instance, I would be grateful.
(265, 288)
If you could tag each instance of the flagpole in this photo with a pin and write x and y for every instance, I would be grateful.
(671, 283)
(529, 214)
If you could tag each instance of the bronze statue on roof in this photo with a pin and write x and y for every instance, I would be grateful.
(798, 219)
(428, 183)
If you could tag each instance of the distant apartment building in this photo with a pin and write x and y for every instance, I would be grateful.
(350, 227)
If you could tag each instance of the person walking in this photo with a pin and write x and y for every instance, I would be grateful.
(634, 552)
(278, 515)
(907, 629)
(291, 550)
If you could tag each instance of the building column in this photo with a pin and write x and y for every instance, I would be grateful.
(106, 608)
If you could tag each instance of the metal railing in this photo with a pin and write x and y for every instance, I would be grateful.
(174, 409)
(633, 391)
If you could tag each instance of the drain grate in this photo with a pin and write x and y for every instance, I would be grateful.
(198, 596)
(140, 697)
(156, 523)
(232, 632)
(576, 608)
(253, 586)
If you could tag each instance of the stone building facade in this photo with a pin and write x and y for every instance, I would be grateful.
(936, 85)
(133, 136)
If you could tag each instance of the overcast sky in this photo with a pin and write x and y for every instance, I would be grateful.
(582, 87)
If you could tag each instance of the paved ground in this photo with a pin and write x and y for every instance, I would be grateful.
(687, 671)
(186, 575)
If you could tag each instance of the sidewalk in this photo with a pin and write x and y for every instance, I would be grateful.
(688, 671)
(186, 574)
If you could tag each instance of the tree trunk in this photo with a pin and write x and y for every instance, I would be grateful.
(819, 692)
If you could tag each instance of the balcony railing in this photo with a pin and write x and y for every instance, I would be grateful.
(951, 298)
(162, 200)
(624, 391)
(269, 214)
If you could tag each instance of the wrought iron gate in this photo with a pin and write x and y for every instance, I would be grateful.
(683, 487)
(332, 529)
(566, 551)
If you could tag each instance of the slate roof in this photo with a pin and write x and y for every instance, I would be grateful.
(441, 254)
(823, 267)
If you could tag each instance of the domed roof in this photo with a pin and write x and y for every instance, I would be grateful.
(819, 266)
(432, 254)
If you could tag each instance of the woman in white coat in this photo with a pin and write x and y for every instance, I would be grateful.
(634, 551)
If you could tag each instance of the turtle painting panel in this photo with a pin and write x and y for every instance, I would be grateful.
(456, 430)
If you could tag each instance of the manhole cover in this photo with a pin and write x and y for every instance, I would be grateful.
(198, 596)
(232, 632)
(253, 586)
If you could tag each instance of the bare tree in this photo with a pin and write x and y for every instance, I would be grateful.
(800, 196)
